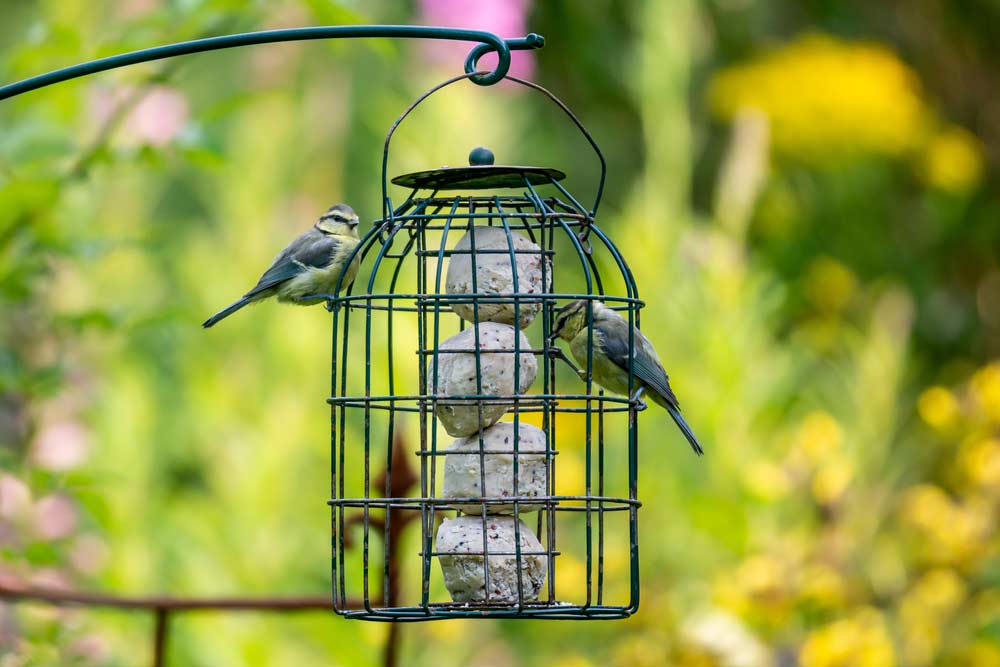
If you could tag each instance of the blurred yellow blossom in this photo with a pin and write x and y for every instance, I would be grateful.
(935, 595)
(985, 606)
(641, 650)
(827, 97)
(980, 653)
(572, 660)
(819, 436)
(766, 480)
(858, 641)
(829, 284)
(951, 533)
(925, 609)
(723, 636)
(938, 407)
(985, 388)
(571, 579)
(980, 461)
(759, 589)
(831, 480)
(953, 160)
(822, 585)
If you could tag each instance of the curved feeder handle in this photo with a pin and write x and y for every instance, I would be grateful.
(474, 56)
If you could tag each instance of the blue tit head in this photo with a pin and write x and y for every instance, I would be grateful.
(571, 319)
(339, 220)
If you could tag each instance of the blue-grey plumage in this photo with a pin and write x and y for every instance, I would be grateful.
(609, 361)
(310, 265)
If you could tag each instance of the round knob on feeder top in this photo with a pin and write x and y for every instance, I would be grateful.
(480, 156)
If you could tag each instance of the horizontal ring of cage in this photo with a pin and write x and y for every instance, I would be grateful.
(558, 503)
(429, 301)
(526, 403)
(511, 452)
(440, 611)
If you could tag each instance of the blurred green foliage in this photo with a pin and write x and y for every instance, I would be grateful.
(806, 193)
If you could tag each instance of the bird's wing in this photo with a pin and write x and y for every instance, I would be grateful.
(644, 364)
(311, 250)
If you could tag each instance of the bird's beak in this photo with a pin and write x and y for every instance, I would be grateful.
(354, 223)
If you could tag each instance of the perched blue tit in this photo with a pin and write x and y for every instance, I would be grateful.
(310, 265)
(609, 362)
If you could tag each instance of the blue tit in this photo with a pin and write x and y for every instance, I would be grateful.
(310, 265)
(609, 362)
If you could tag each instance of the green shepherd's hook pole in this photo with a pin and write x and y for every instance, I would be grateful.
(488, 42)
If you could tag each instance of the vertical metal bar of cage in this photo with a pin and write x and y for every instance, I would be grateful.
(390, 431)
(334, 532)
(600, 503)
(435, 384)
(479, 393)
(337, 437)
(539, 240)
(425, 530)
(342, 451)
(550, 411)
(634, 307)
(366, 510)
(425, 558)
(549, 211)
(586, 228)
(549, 405)
(517, 400)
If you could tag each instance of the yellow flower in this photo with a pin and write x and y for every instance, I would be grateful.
(985, 606)
(822, 585)
(858, 641)
(572, 660)
(758, 588)
(953, 160)
(938, 407)
(980, 461)
(829, 285)
(936, 595)
(571, 579)
(766, 480)
(985, 388)
(827, 98)
(641, 651)
(831, 480)
(951, 533)
(981, 653)
(819, 436)
(925, 609)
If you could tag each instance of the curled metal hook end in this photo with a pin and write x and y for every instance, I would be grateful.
(526, 43)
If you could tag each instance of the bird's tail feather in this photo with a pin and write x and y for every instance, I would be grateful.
(685, 429)
(226, 312)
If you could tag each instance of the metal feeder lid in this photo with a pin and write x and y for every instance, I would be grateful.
(481, 174)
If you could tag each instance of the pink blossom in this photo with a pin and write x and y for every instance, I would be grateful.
(15, 497)
(50, 578)
(60, 446)
(88, 554)
(55, 517)
(155, 120)
(93, 647)
(137, 8)
(506, 18)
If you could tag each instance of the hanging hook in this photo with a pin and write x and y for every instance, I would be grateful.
(530, 41)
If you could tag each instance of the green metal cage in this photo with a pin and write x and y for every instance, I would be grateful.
(388, 329)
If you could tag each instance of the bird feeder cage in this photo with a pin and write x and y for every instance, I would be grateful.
(525, 504)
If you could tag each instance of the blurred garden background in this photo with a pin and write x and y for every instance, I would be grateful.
(806, 193)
